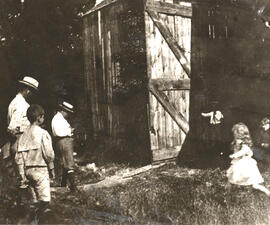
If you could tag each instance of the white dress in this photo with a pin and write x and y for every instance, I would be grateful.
(243, 169)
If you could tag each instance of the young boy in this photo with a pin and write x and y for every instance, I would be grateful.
(34, 158)
(63, 133)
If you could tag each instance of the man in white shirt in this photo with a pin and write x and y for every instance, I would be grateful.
(17, 124)
(63, 134)
(17, 120)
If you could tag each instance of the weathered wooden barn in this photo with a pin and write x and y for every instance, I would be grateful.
(137, 67)
(151, 68)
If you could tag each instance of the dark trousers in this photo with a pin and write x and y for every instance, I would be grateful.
(68, 175)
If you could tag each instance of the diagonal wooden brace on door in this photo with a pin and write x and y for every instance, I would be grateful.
(164, 84)
(169, 107)
(169, 8)
(171, 41)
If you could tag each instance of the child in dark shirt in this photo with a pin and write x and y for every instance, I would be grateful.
(262, 141)
(215, 127)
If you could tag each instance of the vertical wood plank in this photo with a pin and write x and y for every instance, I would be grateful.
(94, 77)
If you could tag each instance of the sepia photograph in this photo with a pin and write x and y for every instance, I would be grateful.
(152, 112)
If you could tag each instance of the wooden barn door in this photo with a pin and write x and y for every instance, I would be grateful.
(168, 44)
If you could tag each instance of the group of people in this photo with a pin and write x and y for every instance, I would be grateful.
(243, 169)
(28, 155)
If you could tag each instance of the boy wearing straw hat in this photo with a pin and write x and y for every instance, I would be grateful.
(63, 133)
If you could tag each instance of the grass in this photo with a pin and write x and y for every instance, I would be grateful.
(178, 195)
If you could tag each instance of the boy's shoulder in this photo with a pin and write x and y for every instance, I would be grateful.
(42, 131)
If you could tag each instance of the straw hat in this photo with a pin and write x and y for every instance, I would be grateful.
(66, 106)
(30, 82)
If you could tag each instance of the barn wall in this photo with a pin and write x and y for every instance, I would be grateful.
(115, 64)
(229, 64)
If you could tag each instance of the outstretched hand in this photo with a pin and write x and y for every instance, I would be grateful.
(265, 145)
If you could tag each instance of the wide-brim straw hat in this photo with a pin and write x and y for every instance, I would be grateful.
(67, 107)
(30, 82)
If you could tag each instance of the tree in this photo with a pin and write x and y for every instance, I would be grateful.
(44, 38)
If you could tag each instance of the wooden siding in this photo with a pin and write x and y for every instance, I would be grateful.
(130, 49)
(101, 38)
(166, 135)
(115, 68)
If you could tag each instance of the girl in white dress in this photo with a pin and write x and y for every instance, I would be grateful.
(243, 169)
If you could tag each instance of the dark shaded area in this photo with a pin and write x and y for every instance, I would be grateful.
(44, 40)
(230, 46)
(197, 154)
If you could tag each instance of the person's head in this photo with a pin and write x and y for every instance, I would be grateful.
(265, 124)
(241, 136)
(27, 86)
(26, 92)
(66, 109)
(35, 114)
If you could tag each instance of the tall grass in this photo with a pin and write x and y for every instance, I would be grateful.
(177, 195)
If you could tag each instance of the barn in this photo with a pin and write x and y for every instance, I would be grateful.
(152, 67)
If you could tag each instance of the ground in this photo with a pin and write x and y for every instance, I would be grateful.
(165, 194)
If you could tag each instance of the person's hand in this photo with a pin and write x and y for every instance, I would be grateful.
(52, 174)
(23, 183)
(72, 131)
(265, 145)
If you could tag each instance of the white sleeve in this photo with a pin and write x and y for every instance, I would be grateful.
(61, 128)
(47, 150)
(207, 114)
(18, 118)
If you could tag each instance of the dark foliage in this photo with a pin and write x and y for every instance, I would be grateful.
(42, 39)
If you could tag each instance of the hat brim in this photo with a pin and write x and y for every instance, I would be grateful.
(28, 84)
(66, 108)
